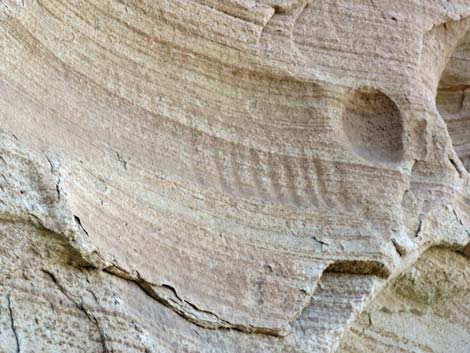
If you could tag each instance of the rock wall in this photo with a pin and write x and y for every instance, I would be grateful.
(234, 176)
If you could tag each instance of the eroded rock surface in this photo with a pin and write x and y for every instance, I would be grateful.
(234, 176)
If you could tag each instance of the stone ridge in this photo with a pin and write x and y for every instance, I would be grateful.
(233, 175)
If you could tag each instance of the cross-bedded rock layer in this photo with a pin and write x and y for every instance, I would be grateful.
(226, 176)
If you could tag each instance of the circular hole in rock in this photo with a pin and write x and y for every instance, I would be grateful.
(453, 99)
(373, 125)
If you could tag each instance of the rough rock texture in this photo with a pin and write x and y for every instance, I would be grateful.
(234, 176)
(425, 310)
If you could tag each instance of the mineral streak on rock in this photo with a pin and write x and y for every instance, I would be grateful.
(234, 176)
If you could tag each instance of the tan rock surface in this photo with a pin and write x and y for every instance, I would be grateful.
(234, 175)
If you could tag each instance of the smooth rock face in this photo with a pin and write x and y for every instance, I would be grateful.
(234, 176)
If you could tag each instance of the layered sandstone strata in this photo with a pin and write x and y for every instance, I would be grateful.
(234, 176)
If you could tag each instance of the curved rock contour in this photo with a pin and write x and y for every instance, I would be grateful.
(231, 175)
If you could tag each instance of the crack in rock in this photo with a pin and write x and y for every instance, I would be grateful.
(79, 305)
(13, 325)
(168, 296)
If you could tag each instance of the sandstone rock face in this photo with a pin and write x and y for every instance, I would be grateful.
(235, 176)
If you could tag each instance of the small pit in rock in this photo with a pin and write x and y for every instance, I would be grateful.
(373, 125)
(453, 99)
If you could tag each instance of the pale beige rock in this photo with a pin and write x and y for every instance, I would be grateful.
(233, 175)
(425, 310)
